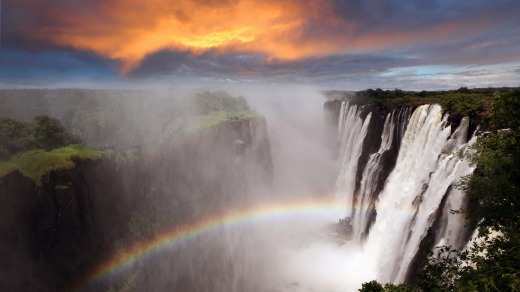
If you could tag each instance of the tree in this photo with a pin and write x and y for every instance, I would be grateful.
(374, 286)
(43, 132)
(465, 103)
(506, 110)
(48, 133)
(15, 136)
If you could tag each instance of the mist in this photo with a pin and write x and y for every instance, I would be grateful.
(296, 251)
(230, 188)
(158, 185)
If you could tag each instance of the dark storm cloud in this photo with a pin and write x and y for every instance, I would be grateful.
(254, 67)
(419, 15)
(29, 67)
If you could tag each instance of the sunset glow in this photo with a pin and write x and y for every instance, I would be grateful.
(268, 37)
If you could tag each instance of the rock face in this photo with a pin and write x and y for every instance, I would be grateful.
(45, 231)
(51, 235)
(372, 141)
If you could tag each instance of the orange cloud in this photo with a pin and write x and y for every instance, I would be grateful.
(129, 30)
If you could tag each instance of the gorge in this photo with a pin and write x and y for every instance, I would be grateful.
(228, 200)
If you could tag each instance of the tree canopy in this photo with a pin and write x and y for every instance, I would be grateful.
(43, 132)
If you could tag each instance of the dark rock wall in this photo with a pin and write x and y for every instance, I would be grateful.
(51, 235)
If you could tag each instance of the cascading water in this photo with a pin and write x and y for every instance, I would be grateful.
(372, 173)
(424, 173)
(352, 132)
(453, 223)
(362, 206)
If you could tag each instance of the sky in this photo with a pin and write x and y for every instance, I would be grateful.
(336, 44)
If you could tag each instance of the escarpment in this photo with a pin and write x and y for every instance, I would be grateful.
(55, 230)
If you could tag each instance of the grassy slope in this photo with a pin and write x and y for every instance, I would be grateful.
(36, 163)
(217, 117)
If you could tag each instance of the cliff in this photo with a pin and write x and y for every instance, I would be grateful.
(57, 227)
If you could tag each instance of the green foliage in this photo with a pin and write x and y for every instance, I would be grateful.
(470, 102)
(374, 286)
(463, 90)
(116, 118)
(464, 103)
(379, 95)
(212, 119)
(48, 133)
(218, 101)
(37, 163)
(15, 136)
(495, 184)
(506, 109)
(104, 118)
(43, 132)
(492, 264)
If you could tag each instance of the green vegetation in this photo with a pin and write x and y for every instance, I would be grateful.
(219, 101)
(43, 132)
(212, 119)
(106, 118)
(468, 104)
(494, 262)
(38, 147)
(123, 119)
(34, 164)
(374, 286)
(213, 108)
(103, 118)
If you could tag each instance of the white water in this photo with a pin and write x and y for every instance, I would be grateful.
(452, 224)
(425, 169)
(352, 133)
(371, 175)
(413, 191)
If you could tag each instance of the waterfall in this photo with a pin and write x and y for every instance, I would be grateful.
(372, 173)
(453, 231)
(369, 177)
(424, 171)
(417, 192)
(352, 132)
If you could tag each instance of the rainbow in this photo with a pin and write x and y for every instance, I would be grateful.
(258, 213)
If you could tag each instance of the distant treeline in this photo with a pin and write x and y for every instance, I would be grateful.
(399, 95)
(406, 96)
(475, 103)
(109, 118)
